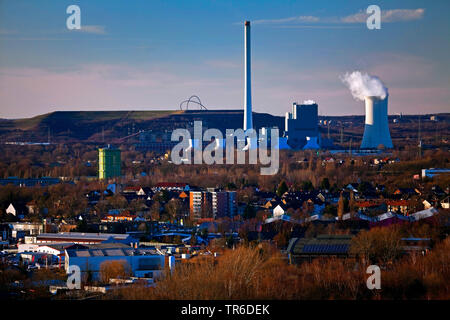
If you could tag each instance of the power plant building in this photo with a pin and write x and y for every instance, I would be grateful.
(109, 162)
(301, 123)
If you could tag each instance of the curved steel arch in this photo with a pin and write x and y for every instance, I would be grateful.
(191, 99)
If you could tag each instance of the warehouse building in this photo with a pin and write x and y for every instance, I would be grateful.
(143, 263)
(306, 249)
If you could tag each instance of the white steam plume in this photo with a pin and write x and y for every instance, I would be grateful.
(363, 85)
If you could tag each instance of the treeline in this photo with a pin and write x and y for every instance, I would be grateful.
(79, 160)
(260, 272)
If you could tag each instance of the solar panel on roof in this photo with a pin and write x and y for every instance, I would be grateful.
(82, 253)
(97, 253)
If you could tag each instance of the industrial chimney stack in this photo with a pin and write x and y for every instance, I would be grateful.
(248, 123)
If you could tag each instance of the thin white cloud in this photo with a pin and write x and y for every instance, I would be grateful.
(93, 29)
(394, 15)
(315, 27)
(293, 20)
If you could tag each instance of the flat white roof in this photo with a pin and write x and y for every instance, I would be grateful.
(83, 235)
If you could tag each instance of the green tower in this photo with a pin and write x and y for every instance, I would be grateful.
(108, 162)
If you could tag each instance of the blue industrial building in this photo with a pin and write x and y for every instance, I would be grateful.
(301, 123)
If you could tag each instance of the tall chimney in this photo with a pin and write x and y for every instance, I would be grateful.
(248, 123)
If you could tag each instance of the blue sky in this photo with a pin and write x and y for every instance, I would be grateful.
(148, 55)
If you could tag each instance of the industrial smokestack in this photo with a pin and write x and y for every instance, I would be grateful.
(248, 123)
(376, 129)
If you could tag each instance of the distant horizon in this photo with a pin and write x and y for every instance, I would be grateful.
(226, 110)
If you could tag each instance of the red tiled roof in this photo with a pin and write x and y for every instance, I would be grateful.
(367, 204)
(132, 188)
(397, 202)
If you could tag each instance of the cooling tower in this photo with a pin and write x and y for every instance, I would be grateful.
(248, 123)
(376, 130)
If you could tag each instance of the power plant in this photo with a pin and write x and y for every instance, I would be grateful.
(301, 126)
(376, 129)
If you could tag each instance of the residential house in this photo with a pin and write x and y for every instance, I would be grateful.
(370, 206)
(427, 204)
(401, 206)
(17, 210)
(32, 207)
(171, 186)
(445, 203)
(119, 217)
(279, 210)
